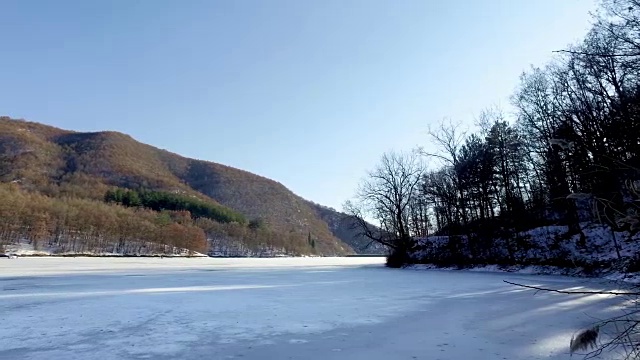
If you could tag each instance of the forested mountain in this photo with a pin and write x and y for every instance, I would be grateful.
(567, 157)
(346, 227)
(52, 173)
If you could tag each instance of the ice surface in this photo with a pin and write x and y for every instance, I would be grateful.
(285, 308)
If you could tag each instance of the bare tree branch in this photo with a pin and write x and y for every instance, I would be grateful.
(604, 55)
(595, 292)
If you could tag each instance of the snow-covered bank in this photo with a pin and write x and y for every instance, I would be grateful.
(596, 251)
(27, 249)
(631, 278)
(218, 248)
(288, 308)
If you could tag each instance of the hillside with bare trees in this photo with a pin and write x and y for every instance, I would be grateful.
(555, 181)
(79, 191)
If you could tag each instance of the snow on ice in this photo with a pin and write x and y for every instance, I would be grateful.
(284, 308)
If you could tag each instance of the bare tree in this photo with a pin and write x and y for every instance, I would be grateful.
(449, 138)
(386, 197)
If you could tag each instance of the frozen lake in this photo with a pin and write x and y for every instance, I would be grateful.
(305, 308)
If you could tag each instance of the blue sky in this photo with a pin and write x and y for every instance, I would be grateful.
(307, 92)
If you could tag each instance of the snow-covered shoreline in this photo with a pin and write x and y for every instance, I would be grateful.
(631, 278)
(601, 253)
(101, 255)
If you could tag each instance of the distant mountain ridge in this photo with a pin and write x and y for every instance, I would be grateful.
(63, 163)
(345, 227)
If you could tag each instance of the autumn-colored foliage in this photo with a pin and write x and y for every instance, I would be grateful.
(89, 226)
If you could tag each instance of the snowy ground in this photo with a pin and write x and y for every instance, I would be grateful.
(300, 308)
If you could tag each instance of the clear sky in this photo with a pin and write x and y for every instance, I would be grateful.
(307, 92)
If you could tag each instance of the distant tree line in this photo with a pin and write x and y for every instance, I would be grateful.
(570, 153)
(82, 226)
(234, 239)
(71, 225)
(162, 200)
